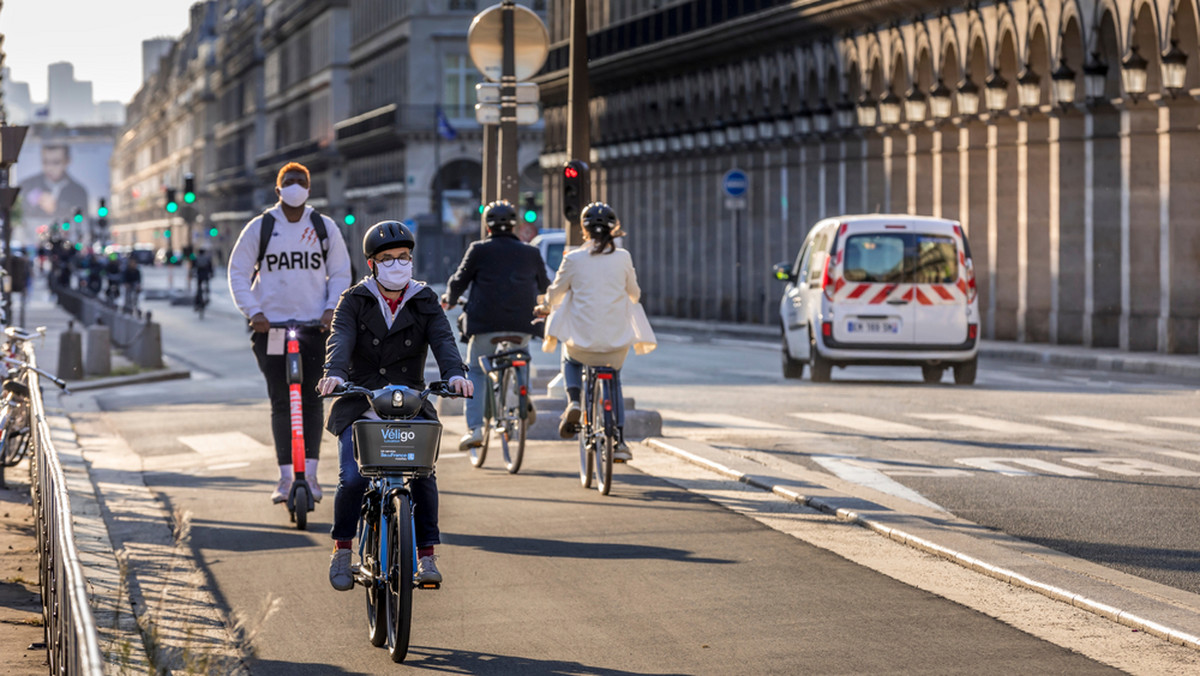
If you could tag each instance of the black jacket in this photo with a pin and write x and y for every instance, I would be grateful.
(505, 276)
(362, 350)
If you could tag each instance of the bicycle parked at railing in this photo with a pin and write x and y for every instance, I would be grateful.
(390, 452)
(507, 408)
(599, 429)
(15, 421)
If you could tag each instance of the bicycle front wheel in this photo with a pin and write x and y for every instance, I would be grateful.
(402, 555)
(603, 445)
(512, 427)
(479, 453)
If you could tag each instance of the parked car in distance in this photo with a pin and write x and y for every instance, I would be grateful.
(881, 289)
(143, 253)
(551, 243)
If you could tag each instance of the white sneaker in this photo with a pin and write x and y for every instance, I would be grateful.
(472, 439)
(310, 474)
(340, 574)
(285, 485)
(427, 572)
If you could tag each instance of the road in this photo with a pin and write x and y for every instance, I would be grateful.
(678, 572)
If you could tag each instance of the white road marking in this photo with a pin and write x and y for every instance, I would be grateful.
(988, 424)
(228, 465)
(869, 473)
(1193, 422)
(223, 442)
(1001, 466)
(1131, 467)
(861, 423)
(1117, 427)
(722, 420)
(451, 456)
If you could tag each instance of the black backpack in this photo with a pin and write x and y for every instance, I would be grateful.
(268, 227)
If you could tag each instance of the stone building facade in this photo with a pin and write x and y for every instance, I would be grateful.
(1062, 134)
(351, 89)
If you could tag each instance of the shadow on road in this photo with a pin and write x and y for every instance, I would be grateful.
(468, 662)
(571, 549)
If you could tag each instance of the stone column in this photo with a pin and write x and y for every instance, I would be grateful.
(1004, 227)
(1038, 283)
(975, 188)
(1181, 280)
(896, 160)
(1140, 229)
(921, 177)
(1106, 246)
(1072, 249)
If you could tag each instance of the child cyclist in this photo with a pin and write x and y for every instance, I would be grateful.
(382, 329)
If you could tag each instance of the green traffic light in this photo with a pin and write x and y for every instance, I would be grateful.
(213, 232)
(102, 212)
(167, 233)
(172, 207)
(189, 197)
(481, 209)
(530, 216)
(350, 219)
(66, 226)
(78, 218)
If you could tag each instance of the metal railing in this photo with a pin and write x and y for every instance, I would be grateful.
(72, 640)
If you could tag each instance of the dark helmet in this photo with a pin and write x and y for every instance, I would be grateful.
(599, 220)
(387, 235)
(500, 216)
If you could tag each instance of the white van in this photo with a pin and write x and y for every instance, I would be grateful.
(884, 290)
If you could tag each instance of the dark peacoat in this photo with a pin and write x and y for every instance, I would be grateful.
(362, 350)
(505, 275)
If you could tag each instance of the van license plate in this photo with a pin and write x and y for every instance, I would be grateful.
(873, 326)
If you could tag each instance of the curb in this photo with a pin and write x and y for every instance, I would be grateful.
(958, 556)
(136, 379)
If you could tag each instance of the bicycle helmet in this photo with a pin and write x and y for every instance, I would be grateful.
(387, 235)
(500, 216)
(599, 220)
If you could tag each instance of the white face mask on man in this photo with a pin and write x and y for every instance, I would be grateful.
(293, 195)
(393, 275)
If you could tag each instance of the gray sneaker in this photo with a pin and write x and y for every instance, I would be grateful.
(568, 424)
(621, 453)
(428, 575)
(340, 574)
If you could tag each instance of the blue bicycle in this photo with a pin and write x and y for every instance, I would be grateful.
(390, 453)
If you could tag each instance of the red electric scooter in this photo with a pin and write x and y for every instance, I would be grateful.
(300, 499)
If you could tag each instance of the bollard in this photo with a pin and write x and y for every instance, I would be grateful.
(98, 355)
(146, 351)
(70, 354)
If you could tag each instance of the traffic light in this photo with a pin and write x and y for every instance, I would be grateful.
(349, 219)
(78, 218)
(213, 232)
(530, 214)
(575, 189)
(102, 212)
(66, 226)
(189, 188)
(172, 205)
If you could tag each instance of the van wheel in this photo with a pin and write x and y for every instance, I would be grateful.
(793, 369)
(932, 374)
(964, 372)
(819, 368)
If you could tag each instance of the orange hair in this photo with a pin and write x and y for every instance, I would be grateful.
(292, 166)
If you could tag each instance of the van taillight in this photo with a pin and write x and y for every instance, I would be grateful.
(972, 331)
(827, 279)
(827, 329)
(970, 275)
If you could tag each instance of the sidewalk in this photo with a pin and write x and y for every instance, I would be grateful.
(1066, 356)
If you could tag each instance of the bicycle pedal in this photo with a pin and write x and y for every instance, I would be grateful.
(429, 585)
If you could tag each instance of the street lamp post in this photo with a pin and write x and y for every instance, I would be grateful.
(11, 139)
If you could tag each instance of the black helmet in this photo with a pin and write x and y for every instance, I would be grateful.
(599, 220)
(500, 216)
(387, 235)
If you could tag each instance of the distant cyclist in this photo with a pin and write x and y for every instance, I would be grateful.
(202, 267)
(382, 330)
(594, 314)
(290, 263)
(505, 276)
(131, 281)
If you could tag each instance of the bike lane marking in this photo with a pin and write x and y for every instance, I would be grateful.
(1118, 427)
(988, 424)
(861, 423)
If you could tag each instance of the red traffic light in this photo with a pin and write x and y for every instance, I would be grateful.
(571, 172)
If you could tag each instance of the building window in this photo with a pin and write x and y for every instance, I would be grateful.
(458, 89)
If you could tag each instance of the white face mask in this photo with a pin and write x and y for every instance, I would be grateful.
(294, 195)
(393, 275)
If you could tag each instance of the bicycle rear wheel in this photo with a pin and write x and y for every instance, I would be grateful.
(513, 427)
(376, 603)
(603, 445)
(402, 557)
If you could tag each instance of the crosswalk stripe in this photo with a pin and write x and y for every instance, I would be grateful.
(988, 424)
(222, 443)
(724, 420)
(861, 423)
(1115, 426)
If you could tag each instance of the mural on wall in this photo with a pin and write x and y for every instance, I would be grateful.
(58, 175)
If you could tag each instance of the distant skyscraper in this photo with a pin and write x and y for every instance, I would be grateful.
(70, 100)
(18, 104)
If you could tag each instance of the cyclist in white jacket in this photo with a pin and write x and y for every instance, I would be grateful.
(299, 275)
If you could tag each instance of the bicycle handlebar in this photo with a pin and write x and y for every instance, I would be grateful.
(62, 384)
(439, 388)
(296, 324)
(17, 333)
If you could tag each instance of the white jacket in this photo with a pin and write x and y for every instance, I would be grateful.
(295, 281)
(594, 306)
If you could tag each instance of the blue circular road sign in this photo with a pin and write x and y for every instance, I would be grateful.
(735, 183)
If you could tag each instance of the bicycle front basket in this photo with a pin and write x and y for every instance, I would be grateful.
(393, 446)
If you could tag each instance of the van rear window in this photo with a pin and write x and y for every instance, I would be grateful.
(900, 258)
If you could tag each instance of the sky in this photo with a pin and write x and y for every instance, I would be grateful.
(103, 38)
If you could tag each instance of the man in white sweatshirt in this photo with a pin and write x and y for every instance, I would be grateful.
(297, 276)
